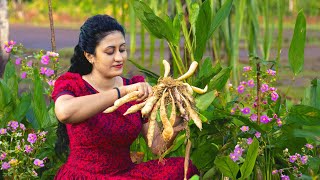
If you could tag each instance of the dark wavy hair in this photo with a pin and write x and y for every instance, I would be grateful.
(92, 32)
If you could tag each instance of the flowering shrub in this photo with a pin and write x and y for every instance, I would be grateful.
(19, 150)
(46, 64)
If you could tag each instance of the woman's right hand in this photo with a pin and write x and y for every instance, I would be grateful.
(144, 88)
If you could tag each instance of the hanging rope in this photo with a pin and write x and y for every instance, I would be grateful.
(53, 39)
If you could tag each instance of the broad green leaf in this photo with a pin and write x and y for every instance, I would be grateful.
(203, 24)
(297, 45)
(9, 71)
(203, 156)
(304, 115)
(22, 107)
(248, 122)
(209, 174)
(195, 177)
(193, 14)
(207, 72)
(152, 77)
(315, 93)
(204, 101)
(38, 101)
(247, 166)
(227, 166)
(218, 81)
(178, 141)
(5, 94)
(176, 27)
(221, 15)
(310, 132)
(314, 164)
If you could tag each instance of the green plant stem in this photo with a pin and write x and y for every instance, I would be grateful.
(258, 93)
(177, 58)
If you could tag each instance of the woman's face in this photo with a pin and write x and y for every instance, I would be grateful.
(110, 55)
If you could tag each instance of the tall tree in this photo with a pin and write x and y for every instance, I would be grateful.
(4, 33)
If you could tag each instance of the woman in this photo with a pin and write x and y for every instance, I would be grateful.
(100, 143)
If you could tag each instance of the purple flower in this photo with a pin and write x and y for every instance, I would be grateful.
(272, 89)
(3, 156)
(32, 138)
(249, 141)
(28, 148)
(240, 89)
(234, 157)
(43, 70)
(5, 166)
(274, 96)
(274, 172)
(293, 158)
(284, 177)
(245, 110)
(8, 46)
(253, 117)
(251, 83)
(43, 133)
(38, 162)
(238, 150)
(257, 134)
(18, 61)
(45, 59)
(3, 131)
(22, 126)
(29, 63)
(264, 88)
(247, 68)
(265, 119)
(244, 128)
(271, 72)
(51, 82)
(49, 72)
(23, 75)
(304, 159)
(279, 122)
(13, 124)
(309, 146)
(243, 83)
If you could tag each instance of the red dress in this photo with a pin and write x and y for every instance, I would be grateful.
(100, 146)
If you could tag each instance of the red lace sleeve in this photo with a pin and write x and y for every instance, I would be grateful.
(66, 84)
(136, 79)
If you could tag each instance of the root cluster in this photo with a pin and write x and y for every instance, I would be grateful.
(167, 91)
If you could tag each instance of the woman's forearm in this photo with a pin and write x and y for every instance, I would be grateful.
(77, 109)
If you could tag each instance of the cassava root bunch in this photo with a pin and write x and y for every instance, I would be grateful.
(167, 91)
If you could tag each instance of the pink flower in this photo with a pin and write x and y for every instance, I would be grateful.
(22, 126)
(264, 88)
(45, 59)
(13, 124)
(249, 141)
(265, 119)
(284, 177)
(279, 122)
(38, 162)
(49, 72)
(243, 83)
(32, 138)
(5, 166)
(52, 54)
(29, 63)
(247, 68)
(23, 75)
(43, 70)
(3, 156)
(245, 110)
(304, 159)
(28, 148)
(309, 146)
(3, 131)
(18, 61)
(257, 134)
(234, 157)
(244, 128)
(293, 158)
(272, 89)
(253, 117)
(274, 96)
(271, 72)
(51, 82)
(8, 46)
(238, 150)
(240, 89)
(251, 83)
(274, 172)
